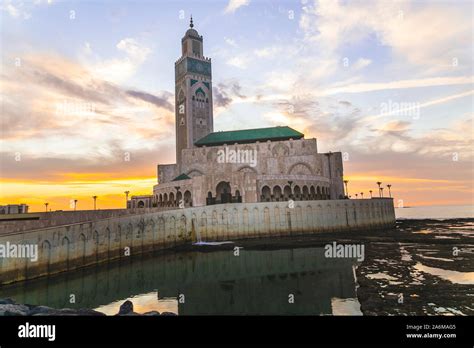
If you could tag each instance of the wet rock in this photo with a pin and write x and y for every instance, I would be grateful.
(151, 313)
(126, 308)
(168, 314)
(13, 309)
(39, 310)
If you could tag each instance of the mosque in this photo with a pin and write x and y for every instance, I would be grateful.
(239, 166)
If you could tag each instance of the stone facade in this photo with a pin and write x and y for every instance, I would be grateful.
(280, 170)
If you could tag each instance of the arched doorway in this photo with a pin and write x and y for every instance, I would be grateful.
(305, 193)
(287, 192)
(141, 204)
(187, 199)
(277, 194)
(266, 194)
(297, 192)
(312, 192)
(223, 192)
(238, 197)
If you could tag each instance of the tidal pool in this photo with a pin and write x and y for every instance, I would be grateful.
(297, 281)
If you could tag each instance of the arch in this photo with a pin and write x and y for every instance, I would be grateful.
(297, 193)
(312, 192)
(277, 194)
(247, 169)
(318, 193)
(287, 192)
(165, 200)
(238, 196)
(109, 241)
(188, 201)
(223, 192)
(194, 172)
(266, 218)
(305, 192)
(300, 168)
(82, 247)
(171, 200)
(280, 150)
(180, 95)
(141, 204)
(266, 194)
(46, 250)
(95, 238)
(65, 250)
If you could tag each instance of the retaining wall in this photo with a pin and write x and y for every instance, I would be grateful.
(68, 247)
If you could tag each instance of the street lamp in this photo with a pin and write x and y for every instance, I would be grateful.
(381, 192)
(389, 193)
(95, 201)
(345, 183)
(75, 204)
(357, 195)
(46, 206)
(362, 195)
(370, 191)
(379, 183)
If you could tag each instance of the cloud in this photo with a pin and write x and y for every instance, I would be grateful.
(21, 9)
(233, 5)
(66, 104)
(153, 99)
(240, 62)
(117, 70)
(401, 84)
(227, 92)
(331, 24)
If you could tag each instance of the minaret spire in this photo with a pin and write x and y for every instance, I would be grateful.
(191, 22)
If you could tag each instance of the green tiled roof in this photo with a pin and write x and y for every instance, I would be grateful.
(181, 177)
(246, 136)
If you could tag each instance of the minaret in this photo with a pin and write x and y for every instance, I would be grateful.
(193, 88)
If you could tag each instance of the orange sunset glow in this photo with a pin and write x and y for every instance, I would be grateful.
(92, 113)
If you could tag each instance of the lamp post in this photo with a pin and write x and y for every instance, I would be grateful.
(126, 199)
(362, 195)
(357, 195)
(389, 193)
(75, 204)
(347, 191)
(95, 202)
(370, 191)
(379, 183)
(46, 206)
(381, 192)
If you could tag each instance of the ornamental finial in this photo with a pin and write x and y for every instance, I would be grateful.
(191, 22)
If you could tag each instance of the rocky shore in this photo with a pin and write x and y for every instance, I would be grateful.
(9, 307)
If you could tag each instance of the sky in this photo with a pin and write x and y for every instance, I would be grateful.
(88, 106)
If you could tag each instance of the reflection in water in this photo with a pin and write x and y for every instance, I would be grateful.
(345, 306)
(142, 304)
(256, 282)
(453, 276)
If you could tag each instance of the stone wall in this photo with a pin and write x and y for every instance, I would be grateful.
(68, 247)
